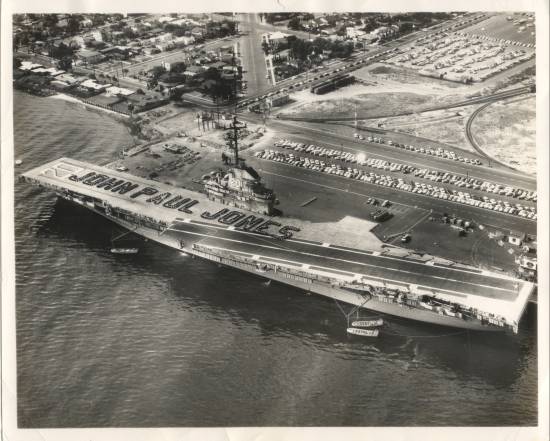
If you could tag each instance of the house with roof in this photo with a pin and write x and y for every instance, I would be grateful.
(163, 47)
(198, 32)
(150, 100)
(86, 23)
(353, 33)
(94, 86)
(194, 71)
(87, 56)
(184, 41)
(275, 39)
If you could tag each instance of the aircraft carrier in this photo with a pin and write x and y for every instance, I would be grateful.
(233, 222)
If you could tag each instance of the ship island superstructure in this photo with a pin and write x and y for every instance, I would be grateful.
(240, 187)
(247, 237)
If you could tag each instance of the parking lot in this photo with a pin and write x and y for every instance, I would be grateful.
(479, 194)
(462, 57)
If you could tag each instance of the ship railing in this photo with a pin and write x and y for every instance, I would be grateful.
(383, 295)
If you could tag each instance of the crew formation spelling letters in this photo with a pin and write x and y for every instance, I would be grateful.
(225, 216)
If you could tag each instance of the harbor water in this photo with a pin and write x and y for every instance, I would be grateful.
(158, 339)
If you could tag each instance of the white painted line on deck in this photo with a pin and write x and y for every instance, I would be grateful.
(384, 280)
(341, 260)
(363, 253)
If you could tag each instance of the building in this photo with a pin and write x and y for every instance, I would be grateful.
(118, 52)
(163, 47)
(86, 23)
(283, 55)
(516, 238)
(147, 101)
(67, 78)
(354, 33)
(173, 65)
(86, 56)
(93, 86)
(118, 91)
(194, 71)
(275, 39)
(95, 35)
(277, 100)
(198, 33)
(184, 41)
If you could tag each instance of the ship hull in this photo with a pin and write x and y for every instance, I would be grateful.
(184, 243)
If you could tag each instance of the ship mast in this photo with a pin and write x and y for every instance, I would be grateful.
(234, 140)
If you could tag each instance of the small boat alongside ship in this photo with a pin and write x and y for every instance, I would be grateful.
(363, 332)
(124, 250)
(367, 323)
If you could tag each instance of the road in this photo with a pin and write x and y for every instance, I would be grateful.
(252, 55)
(471, 137)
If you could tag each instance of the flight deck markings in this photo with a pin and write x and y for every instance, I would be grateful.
(342, 260)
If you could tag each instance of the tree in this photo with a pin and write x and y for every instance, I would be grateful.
(294, 24)
(73, 25)
(66, 63)
(265, 47)
(157, 71)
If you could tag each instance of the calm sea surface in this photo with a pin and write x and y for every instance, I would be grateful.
(158, 339)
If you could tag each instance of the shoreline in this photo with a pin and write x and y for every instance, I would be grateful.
(70, 99)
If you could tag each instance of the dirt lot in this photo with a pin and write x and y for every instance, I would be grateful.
(445, 126)
(507, 131)
(386, 90)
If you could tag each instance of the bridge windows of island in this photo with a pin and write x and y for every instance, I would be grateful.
(239, 220)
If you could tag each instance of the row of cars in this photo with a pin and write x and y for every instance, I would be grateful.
(501, 40)
(432, 175)
(311, 77)
(461, 56)
(439, 152)
(397, 183)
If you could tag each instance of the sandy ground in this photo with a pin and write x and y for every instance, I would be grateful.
(507, 131)
(185, 122)
(385, 91)
(445, 126)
